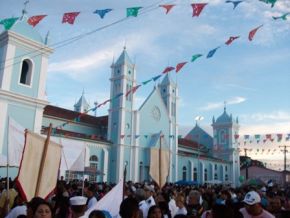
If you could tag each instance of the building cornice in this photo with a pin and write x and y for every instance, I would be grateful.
(10, 96)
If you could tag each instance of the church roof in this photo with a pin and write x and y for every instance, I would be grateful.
(167, 80)
(21, 27)
(224, 118)
(58, 112)
(189, 143)
(199, 135)
(124, 58)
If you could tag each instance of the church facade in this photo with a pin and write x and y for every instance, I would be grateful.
(123, 138)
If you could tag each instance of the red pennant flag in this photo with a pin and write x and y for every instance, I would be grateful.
(167, 7)
(70, 17)
(197, 8)
(168, 69)
(268, 136)
(122, 136)
(253, 32)
(231, 39)
(34, 20)
(179, 66)
(134, 89)
(237, 136)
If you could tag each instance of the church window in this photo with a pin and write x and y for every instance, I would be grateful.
(184, 173)
(129, 72)
(226, 168)
(205, 174)
(215, 167)
(227, 177)
(215, 176)
(93, 164)
(118, 71)
(164, 90)
(26, 72)
(195, 174)
(222, 137)
(172, 90)
(141, 171)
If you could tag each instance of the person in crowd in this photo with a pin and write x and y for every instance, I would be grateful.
(253, 207)
(78, 206)
(97, 214)
(43, 210)
(129, 208)
(18, 209)
(140, 196)
(194, 207)
(149, 193)
(3, 199)
(155, 212)
(32, 206)
(179, 207)
(90, 194)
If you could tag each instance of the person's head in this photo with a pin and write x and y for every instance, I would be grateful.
(129, 208)
(97, 214)
(194, 197)
(78, 205)
(275, 204)
(252, 202)
(180, 200)
(140, 194)
(33, 204)
(154, 212)
(43, 210)
(91, 190)
(149, 190)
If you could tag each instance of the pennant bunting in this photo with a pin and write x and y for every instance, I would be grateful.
(268, 136)
(137, 136)
(282, 17)
(235, 3)
(70, 17)
(147, 81)
(279, 137)
(272, 2)
(167, 70)
(212, 52)
(253, 32)
(197, 8)
(102, 12)
(8, 23)
(34, 20)
(257, 137)
(194, 57)
(133, 12)
(231, 39)
(122, 136)
(156, 78)
(246, 137)
(179, 66)
(167, 7)
(134, 89)
(237, 136)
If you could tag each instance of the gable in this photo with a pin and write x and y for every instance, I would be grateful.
(153, 118)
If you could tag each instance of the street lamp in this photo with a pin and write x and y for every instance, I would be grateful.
(198, 118)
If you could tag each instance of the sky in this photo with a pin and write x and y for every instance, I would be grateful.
(252, 77)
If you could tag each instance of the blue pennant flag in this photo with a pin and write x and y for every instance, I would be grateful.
(235, 3)
(212, 52)
(103, 12)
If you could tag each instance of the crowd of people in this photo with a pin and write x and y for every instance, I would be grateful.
(146, 200)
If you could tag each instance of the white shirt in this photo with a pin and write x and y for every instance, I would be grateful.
(16, 211)
(92, 202)
(264, 214)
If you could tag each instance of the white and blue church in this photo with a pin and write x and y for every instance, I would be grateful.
(125, 136)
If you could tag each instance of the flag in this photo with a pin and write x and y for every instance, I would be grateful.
(159, 165)
(279, 137)
(272, 2)
(179, 66)
(122, 136)
(156, 78)
(167, 7)
(235, 3)
(8, 22)
(246, 137)
(168, 69)
(194, 57)
(70, 17)
(133, 11)
(134, 89)
(268, 136)
(253, 32)
(16, 140)
(231, 39)
(110, 202)
(33, 156)
(79, 163)
(34, 20)
(282, 17)
(237, 136)
(145, 82)
(212, 52)
(102, 12)
(197, 8)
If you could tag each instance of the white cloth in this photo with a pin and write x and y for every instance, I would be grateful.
(172, 207)
(92, 202)
(181, 211)
(143, 206)
(264, 214)
(16, 211)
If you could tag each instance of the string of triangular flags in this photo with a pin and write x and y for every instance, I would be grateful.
(70, 17)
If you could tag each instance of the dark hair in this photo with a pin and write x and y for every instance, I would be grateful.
(152, 208)
(42, 203)
(21, 216)
(34, 203)
(97, 214)
(128, 207)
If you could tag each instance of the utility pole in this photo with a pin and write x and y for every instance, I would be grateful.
(284, 151)
(246, 157)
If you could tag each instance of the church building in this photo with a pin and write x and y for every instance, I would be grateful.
(122, 139)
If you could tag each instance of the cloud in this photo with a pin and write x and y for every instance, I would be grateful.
(215, 105)
(281, 116)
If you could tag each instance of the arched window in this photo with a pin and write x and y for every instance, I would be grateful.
(184, 173)
(226, 177)
(195, 174)
(141, 171)
(93, 164)
(26, 72)
(205, 174)
(222, 137)
(226, 168)
(215, 176)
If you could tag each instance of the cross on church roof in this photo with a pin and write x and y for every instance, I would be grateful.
(24, 9)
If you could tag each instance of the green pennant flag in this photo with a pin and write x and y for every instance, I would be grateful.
(9, 22)
(133, 11)
(145, 82)
(272, 2)
(194, 57)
